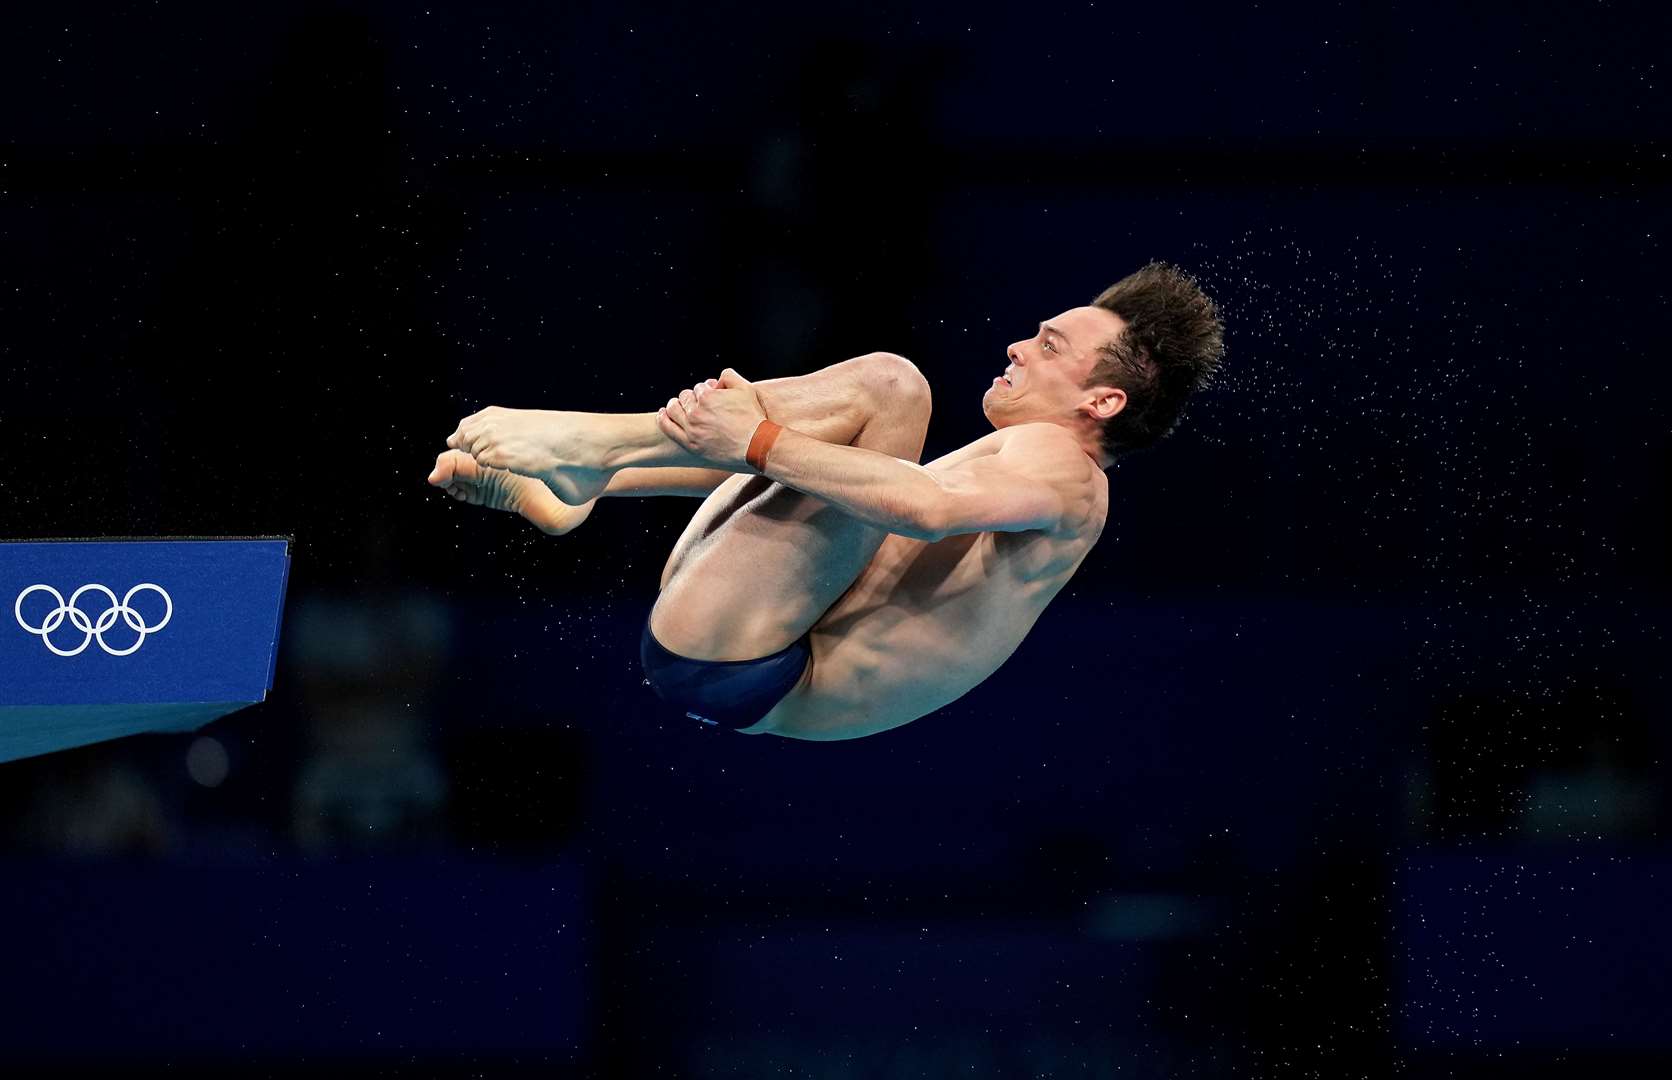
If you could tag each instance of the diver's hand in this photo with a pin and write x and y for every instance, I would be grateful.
(715, 420)
(462, 477)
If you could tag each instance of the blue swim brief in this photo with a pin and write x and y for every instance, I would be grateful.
(723, 693)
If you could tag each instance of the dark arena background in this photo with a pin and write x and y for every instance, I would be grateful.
(1343, 755)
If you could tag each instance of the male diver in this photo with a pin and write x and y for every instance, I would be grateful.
(831, 587)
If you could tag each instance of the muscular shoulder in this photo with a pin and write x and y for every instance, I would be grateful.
(1051, 455)
(1047, 447)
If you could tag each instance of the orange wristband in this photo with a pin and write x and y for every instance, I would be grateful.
(766, 433)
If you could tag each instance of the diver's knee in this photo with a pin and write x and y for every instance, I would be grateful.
(896, 383)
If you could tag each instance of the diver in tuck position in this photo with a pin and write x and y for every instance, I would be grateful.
(830, 586)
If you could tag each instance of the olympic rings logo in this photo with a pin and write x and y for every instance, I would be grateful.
(78, 618)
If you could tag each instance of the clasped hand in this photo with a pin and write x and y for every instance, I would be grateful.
(714, 420)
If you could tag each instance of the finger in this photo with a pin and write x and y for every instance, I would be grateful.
(671, 429)
(459, 436)
(699, 390)
(687, 398)
(475, 438)
(675, 411)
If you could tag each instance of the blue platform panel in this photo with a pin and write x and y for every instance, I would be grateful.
(112, 637)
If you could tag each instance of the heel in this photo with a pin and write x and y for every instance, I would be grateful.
(577, 487)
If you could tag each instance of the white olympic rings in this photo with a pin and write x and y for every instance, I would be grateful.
(93, 630)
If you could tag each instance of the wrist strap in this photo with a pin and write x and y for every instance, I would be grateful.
(766, 433)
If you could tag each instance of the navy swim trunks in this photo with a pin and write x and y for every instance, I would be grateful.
(722, 693)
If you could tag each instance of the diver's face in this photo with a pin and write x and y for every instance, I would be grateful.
(1048, 371)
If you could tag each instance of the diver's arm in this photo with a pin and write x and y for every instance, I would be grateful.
(879, 489)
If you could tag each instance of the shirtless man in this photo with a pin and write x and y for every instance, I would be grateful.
(830, 586)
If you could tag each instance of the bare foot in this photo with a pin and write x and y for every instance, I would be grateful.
(561, 449)
(458, 474)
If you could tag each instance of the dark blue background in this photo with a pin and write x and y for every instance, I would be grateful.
(1309, 772)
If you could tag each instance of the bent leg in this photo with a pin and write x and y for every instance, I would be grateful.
(833, 405)
(761, 562)
(829, 405)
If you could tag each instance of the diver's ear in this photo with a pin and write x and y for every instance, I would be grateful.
(1106, 402)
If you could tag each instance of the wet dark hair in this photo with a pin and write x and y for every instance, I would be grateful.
(1171, 347)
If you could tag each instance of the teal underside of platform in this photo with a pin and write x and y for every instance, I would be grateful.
(29, 730)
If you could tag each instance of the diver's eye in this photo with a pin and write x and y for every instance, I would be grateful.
(1047, 345)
